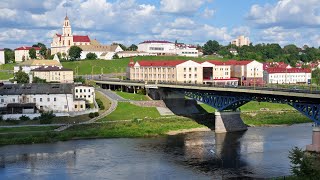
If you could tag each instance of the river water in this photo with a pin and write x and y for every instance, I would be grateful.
(260, 152)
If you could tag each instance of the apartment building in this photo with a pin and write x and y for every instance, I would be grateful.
(53, 74)
(287, 75)
(241, 41)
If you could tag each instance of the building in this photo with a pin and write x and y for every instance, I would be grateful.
(32, 98)
(22, 53)
(53, 74)
(248, 72)
(29, 65)
(62, 42)
(277, 75)
(124, 54)
(233, 51)
(162, 48)
(218, 73)
(85, 92)
(2, 57)
(241, 41)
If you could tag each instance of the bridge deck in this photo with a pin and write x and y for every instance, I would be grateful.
(250, 90)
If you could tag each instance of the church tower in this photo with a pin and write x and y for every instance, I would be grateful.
(66, 30)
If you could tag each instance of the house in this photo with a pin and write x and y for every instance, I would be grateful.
(102, 51)
(53, 74)
(241, 41)
(29, 65)
(233, 51)
(277, 75)
(22, 53)
(32, 98)
(85, 92)
(124, 54)
(2, 57)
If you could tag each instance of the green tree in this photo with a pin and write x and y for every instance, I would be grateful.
(133, 47)
(32, 53)
(43, 49)
(211, 47)
(75, 53)
(21, 77)
(38, 80)
(8, 55)
(79, 79)
(115, 56)
(316, 76)
(91, 56)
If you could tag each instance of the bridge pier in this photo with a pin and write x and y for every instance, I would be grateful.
(228, 121)
(315, 146)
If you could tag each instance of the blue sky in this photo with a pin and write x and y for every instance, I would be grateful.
(26, 22)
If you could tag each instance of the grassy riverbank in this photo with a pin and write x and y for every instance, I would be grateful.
(143, 128)
(131, 96)
(27, 129)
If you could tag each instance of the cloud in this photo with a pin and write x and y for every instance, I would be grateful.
(286, 13)
(182, 7)
(208, 13)
(279, 35)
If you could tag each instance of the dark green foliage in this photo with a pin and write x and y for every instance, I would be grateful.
(211, 47)
(115, 56)
(46, 117)
(316, 76)
(24, 118)
(133, 47)
(38, 80)
(304, 164)
(79, 79)
(8, 55)
(91, 56)
(100, 104)
(32, 53)
(74, 53)
(91, 115)
(141, 91)
(21, 77)
(96, 114)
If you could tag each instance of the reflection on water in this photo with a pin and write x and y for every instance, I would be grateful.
(258, 152)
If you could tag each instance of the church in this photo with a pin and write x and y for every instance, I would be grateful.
(62, 43)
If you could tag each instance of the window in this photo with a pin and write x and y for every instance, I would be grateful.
(75, 106)
(81, 90)
(195, 69)
(40, 99)
(34, 100)
(189, 69)
(184, 69)
(54, 99)
(189, 75)
(185, 76)
(84, 90)
(196, 76)
(2, 100)
(81, 106)
(89, 96)
(88, 90)
(48, 99)
(76, 90)
(84, 96)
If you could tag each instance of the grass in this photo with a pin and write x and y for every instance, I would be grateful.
(27, 129)
(144, 128)
(207, 108)
(106, 102)
(7, 66)
(131, 96)
(119, 65)
(267, 118)
(127, 111)
(5, 75)
(257, 106)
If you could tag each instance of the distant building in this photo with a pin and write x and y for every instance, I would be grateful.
(22, 53)
(241, 41)
(53, 74)
(2, 57)
(33, 98)
(277, 75)
(162, 48)
(85, 92)
(62, 42)
(217, 73)
(27, 66)
(124, 54)
(233, 51)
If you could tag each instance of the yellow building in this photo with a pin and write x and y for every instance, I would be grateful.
(54, 74)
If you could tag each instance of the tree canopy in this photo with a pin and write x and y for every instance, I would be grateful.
(91, 56)
(211, 47)
(75, 53)
(133, 47)
(8, 55)
(32, 53)
(21, 77)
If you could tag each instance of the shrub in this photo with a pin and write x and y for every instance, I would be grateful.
(24, 118)
(46, 117)
(96, 114)
(141, 91)
(91, 115)
(91, 56)
(100, 104)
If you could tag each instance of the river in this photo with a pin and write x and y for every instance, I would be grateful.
(260, 152)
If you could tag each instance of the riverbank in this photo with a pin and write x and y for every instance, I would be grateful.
(120, 129)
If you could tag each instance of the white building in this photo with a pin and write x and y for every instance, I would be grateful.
(2, 58)
(102, 51)
(22, 53)
(85, 92)
(287, 76)
(27, 66)
(124, 54)
(162, 48)
(32, 98)
(241, 41)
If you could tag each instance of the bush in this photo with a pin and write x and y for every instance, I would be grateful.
(46, 117)
(91, 115)
(91, 56)
(141, 91)
(24, 118)
(100, 104)
(96, 114)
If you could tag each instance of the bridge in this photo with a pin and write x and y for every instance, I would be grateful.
(228, 100)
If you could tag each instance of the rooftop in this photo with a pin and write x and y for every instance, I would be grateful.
(27, 48)
(285, 70)
(160, 63)
(41, 88)
(154, 41)
(51, 68)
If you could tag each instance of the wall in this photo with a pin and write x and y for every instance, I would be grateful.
(55, 76)
(85, 92)
(189, 72)
(2, 60)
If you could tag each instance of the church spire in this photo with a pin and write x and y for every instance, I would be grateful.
(66, 30)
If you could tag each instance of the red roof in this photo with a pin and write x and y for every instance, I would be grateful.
(153, 41)
(236, 62)
(27, 48)
(290, 70)
(216, 62)
(59, 35)
(160, 63)
(77, 38)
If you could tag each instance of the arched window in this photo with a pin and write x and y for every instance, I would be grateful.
(69, 41)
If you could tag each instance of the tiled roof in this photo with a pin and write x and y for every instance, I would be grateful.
(41, 88)
(216, 62)
(27, 48)
(51, 68)
(111, 48)
(285, 70)
(236, 62)
(153, 41)
(160, 63)
(77, 38)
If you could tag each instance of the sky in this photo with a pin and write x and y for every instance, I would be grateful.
(26, 22)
